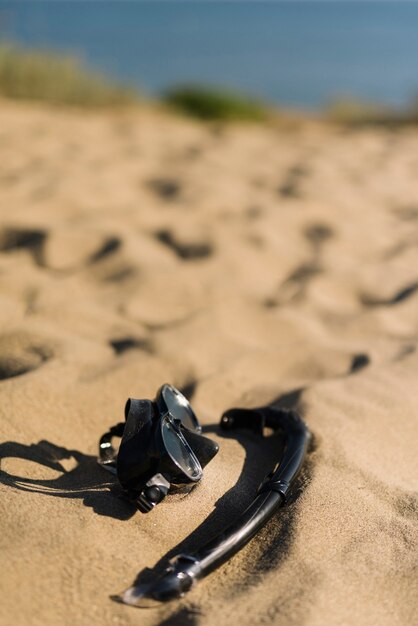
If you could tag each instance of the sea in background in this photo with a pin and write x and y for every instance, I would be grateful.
(292, 53)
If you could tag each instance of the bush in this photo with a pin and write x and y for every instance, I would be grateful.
(58, 80)
(359, 113)
(208, 103)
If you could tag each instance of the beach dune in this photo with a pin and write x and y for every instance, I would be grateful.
(246, 264)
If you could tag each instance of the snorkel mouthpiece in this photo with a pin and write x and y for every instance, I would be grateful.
(176, 580)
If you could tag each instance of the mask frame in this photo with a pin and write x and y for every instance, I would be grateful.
(161, 450)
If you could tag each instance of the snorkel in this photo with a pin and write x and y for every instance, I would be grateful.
(185, 570)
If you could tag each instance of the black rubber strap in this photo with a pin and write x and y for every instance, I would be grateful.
(107, 453)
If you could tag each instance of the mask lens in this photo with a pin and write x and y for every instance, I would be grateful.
(180, 451)
(179, 408)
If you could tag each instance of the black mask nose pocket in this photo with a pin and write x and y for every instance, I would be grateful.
(203, 447)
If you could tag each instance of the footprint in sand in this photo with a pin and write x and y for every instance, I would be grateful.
(12, 239)
(407, 213)
(399, 296)
(359, 362)
(290, 187)
(184, 250)
(124, 344)
(296, 284)
(61, 249)
(109, 246)
(75, 248)
(317, 234)
(165, 188)
(20, 353)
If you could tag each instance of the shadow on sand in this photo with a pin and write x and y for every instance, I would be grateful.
(86, 481)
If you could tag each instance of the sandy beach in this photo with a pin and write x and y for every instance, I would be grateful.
(246, 264)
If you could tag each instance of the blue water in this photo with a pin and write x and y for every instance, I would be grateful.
(294, 53)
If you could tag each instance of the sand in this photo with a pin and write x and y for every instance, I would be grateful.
(246, 265)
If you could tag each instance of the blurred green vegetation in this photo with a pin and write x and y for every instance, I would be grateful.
(207, 103)
(29, 75)
(355, 112)
(55, 79)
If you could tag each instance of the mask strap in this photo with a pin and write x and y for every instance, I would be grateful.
(107, 453)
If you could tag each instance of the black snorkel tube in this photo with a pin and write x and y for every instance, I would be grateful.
(185, 569)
